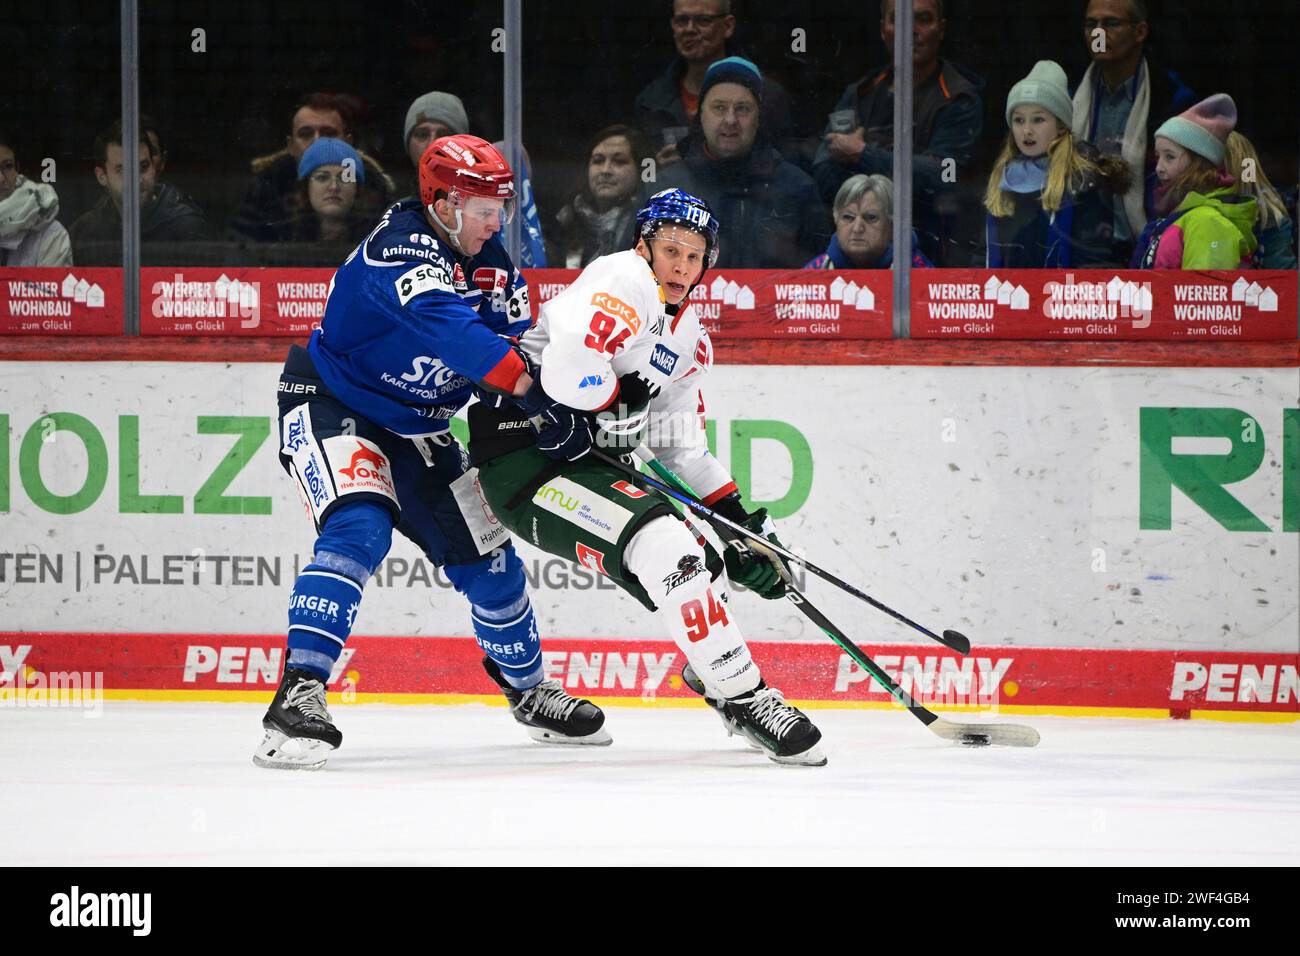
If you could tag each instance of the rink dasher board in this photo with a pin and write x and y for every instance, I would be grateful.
(1028, 507)
(40, 669)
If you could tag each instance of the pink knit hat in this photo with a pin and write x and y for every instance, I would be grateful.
(1204, 128)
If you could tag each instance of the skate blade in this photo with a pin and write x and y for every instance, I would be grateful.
(600, 738)
(280, 752)
(812, 757)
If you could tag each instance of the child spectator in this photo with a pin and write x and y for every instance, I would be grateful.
(864, 227)
(1273, 227)
(325, 206)
(1206, 223)
(601, 218)
(1049, 196)
(30, 235)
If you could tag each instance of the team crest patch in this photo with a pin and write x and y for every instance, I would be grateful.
(591, 558)
(688, 567)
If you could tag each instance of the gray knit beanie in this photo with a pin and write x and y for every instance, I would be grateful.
(437, 107)
(1047, 87)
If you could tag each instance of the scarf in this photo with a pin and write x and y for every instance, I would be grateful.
(1024, 175)
(1134, 151)
(30, 207)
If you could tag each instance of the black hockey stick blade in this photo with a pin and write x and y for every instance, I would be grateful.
(958, 641)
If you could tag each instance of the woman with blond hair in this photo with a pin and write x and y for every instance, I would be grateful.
(1050, 197)
(1273, 227)
(1206, 223)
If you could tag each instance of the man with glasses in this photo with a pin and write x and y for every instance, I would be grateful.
(666, 107)
(1121, 100)
(417, 318)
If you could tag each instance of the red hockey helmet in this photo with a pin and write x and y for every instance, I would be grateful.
(463, 166)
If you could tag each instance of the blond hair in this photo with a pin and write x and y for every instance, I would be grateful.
(1272, 211)
(1067, 169)
(1200, 176)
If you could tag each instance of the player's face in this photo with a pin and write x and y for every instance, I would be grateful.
(863, 230)
(8, 172)
(424, 134)
(1034, 129)
(729, 118)
(611, 171)
(481, 218)
(1171, 160)
(331, 192)
(310, 125)
(678, 260)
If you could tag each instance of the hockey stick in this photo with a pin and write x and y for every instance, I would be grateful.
(972, 735)
(953, 640)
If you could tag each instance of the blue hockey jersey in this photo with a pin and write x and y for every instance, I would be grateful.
(409, 325)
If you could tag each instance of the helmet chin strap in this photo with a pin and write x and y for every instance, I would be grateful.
(453, 235)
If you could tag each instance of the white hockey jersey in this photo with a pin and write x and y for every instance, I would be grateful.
(612, 321)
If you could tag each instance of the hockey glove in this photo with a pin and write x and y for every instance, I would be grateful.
(619, 428)
(563, 433)
(757, 568)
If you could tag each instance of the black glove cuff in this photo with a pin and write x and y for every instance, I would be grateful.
(634, 391)
(731, 509)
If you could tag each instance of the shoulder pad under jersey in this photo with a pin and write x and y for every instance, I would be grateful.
(403, 235)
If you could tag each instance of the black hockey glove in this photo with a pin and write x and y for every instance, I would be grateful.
(563, 433)
(621, 426)
(757, 568)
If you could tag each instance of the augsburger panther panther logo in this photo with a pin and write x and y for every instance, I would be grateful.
(688, 567)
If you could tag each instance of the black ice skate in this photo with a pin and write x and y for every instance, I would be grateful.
(765, 721)
(550, 715)
(299, 731)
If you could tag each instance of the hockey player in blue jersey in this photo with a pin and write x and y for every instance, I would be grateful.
(417, 318)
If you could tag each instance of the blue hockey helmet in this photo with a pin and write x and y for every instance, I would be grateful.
(677, 207)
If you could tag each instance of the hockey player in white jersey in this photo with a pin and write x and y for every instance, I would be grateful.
(618, 359)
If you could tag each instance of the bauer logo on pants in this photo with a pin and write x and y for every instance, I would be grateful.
(358, 465)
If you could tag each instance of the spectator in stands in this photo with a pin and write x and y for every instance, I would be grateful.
(768, 209)
(166, 214)
(864, 227)
(1049, 196)
(432, 116)
(949, 110)
(1206, 223)
(149, 130)
(325, 207)
(1273, 226)
(1121, 100)
(601, 218)
(436, 114)
(264, 215)
(30, 235)
(667, 106)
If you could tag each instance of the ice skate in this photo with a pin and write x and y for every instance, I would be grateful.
(717, 703)
(300, 734)
(550, 714)
(765, 721)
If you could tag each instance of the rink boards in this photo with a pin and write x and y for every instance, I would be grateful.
(1108, 537)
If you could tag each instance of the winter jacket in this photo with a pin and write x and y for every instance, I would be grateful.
(266, 213)
(834, 258)
(1211, 231)
(30, 235)
(1079, 235)
(581, 234)
(173, 217)
(659, 106)
(768, 211)
(948, 118)
(1276, 246)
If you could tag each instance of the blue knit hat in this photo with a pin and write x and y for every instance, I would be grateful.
(330, 152)
(733, 69)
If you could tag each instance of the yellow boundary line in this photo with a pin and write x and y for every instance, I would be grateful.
(495, 700)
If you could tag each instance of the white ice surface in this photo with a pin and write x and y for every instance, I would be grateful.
(158, 783)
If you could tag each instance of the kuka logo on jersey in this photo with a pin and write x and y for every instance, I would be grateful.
(617, 308)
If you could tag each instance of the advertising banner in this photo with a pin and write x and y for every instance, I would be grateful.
(49, 301)
(1105, 508)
